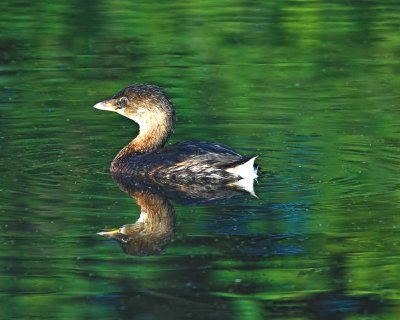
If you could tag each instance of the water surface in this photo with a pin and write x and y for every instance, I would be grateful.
(311, 87)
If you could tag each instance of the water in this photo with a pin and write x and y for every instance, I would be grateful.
(311, 87)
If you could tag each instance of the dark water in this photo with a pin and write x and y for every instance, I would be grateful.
(311, 87)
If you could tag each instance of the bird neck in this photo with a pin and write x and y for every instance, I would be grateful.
(154, 131)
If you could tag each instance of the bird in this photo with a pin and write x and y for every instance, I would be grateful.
(147, 156)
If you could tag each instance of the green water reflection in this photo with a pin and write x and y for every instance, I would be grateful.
(310, 86)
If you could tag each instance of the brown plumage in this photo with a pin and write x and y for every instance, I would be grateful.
(146, 156)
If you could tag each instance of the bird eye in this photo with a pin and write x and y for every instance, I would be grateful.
(122, 102)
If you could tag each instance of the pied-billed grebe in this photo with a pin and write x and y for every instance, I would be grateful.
(145, 156)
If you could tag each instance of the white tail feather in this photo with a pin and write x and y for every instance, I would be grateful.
(247, 185)
(245, 170)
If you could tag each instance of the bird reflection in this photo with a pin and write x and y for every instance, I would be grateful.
(155, 226)
(151, 232)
